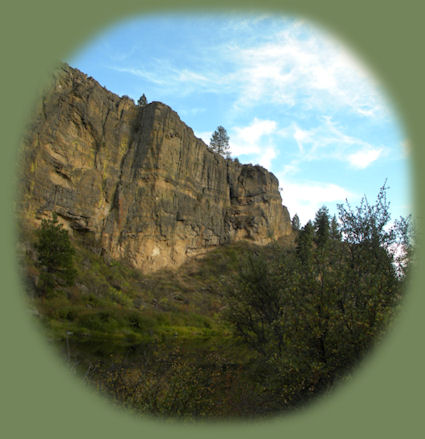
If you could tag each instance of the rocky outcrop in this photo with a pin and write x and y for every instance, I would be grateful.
(138, 179)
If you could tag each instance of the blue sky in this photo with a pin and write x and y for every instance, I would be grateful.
(291, 97)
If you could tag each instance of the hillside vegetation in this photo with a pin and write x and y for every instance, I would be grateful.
(243, 331)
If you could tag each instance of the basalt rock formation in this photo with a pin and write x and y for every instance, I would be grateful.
(138, 180)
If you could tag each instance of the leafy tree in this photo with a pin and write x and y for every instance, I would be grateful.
(220, 142)
(312, 313)
(370, 236)
(142, 101)
(367, 223)
(55, 256)
(256, 305)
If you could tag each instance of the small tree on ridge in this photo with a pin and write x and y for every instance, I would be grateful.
(142, 101)
(220, 142)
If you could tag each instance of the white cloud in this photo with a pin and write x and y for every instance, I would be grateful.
(204, 135)
(363, 158)
(250, 140)
(305, 198)
(267, 157)
(292, 168)
(255, 140)
(301, 136)
(247, 139)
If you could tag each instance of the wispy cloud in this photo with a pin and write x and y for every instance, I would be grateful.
(120, 55)
(174, 80)
(329, 141)
(298, 66)
(192, 111)
(150, 76)
(293, 66)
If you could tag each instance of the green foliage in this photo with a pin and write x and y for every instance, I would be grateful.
(334, 232)
(322, 226)
(311, 314)
(256, 305)
(305, 243)
(142, 101)
(220, 142)
(296, 222)
(366, 229)
(55, 256)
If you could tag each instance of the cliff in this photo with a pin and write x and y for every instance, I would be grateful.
(138, 180)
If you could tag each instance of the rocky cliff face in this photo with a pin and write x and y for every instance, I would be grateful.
(138, 179)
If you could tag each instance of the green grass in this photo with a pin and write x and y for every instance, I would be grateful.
(112, 300)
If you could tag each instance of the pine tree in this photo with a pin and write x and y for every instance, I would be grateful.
(142, 101)
(220, 142)
(55, 256)
(296, 222)
(321, 226)
(334, 232)
(305, 243)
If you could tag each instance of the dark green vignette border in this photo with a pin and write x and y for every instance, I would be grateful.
(39, 397)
